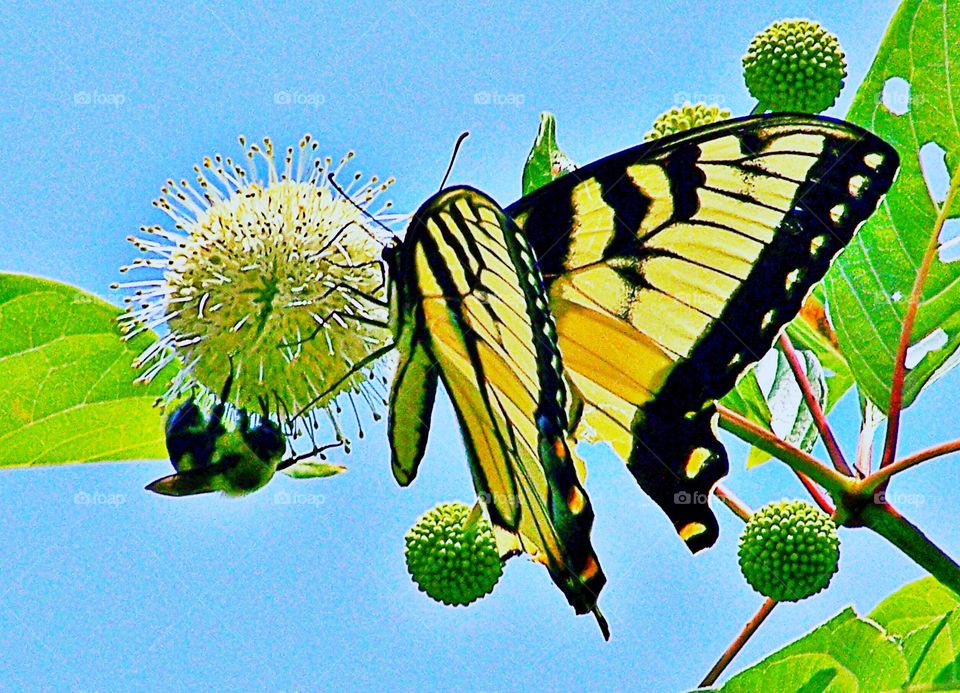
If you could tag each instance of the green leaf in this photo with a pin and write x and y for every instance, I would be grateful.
(932, 655)
(925, 617)
(868, 288)
(844, 654)
(312, 469)
(66, 392)
(811, 330)
(910, 641)
(747, 399)
(913, 606)
(545, 162)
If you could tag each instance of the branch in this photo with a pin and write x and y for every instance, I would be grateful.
(738, 643)
(739, 508)
(819, 419)
(891, 525)
(836, 484)
(899, 365)
(815, 492)
(881, 476)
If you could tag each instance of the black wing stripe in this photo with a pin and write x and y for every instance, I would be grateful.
(780, 193)
(486, 320)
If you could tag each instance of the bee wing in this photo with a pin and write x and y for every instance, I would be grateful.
(191, 482)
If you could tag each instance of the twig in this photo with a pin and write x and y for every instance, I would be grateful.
(899, 364)
(881, 476)
(738, 643)
(819, 420)
(883, 519)
(835, 483)
(726, 496)
(815, 493)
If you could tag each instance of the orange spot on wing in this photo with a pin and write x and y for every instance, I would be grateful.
(576, 500)
(590, 569)
(559, 449)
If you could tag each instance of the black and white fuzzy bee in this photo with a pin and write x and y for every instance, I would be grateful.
(208, 457)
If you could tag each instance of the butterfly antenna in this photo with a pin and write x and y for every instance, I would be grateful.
(453, 157)
(363, 211)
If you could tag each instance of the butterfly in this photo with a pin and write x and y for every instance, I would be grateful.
(617, 303)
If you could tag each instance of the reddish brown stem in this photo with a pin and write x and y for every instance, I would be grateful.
(738, 643)
(819, 419)
(727, 497)
(881, 476)
(816, 493)
(899, 364)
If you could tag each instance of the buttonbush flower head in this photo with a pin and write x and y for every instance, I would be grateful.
(684, 118)
(270, 272)
(452, 554)
(795, 65)
(789, 550)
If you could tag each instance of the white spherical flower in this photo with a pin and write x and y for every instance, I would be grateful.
(275, 279)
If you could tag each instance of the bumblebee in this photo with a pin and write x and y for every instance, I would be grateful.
(207, 457)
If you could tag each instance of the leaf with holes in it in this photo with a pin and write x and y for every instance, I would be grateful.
(907, 99)
(66, 391)
(825, 367)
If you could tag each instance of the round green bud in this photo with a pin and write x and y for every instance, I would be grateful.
(789, 550)
(452, 556)
(684, 118)
(794, 65)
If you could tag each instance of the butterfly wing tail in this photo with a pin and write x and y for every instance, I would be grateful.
(579, 576)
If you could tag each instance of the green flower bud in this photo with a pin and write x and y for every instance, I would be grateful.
(794, 562)
(452, 556)
(684, 118)
(794, 65)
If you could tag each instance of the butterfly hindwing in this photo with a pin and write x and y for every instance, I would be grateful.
(411, 404)
(672, 266)
(472, 304)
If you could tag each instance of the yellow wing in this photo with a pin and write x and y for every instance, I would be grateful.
(473, 310)
(672, 266)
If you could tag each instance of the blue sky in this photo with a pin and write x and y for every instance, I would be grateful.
(101, 103)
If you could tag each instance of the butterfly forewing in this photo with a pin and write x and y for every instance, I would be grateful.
(474, 307)
(672, 266)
